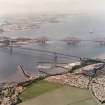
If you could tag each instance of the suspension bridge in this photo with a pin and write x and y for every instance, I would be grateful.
(56, 54)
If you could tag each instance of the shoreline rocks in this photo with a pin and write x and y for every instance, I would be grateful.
(80, 81)
(98, 88)
(9, 95)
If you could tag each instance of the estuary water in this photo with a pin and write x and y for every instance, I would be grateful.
(86, 27)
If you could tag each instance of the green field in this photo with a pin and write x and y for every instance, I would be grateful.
(37, 89)
(59, 96)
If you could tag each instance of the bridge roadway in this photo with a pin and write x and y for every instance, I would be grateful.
(66, 55)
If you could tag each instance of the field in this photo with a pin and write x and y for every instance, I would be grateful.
(37, 89)
(59, 95)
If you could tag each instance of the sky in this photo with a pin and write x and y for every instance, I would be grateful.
(51, 6)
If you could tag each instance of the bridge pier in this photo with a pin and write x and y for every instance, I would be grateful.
(72, 40)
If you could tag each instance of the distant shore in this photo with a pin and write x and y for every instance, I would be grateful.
(102, 56)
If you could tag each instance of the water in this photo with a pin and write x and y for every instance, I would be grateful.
(70, 25)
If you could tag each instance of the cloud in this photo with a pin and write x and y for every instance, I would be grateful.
(37, 6)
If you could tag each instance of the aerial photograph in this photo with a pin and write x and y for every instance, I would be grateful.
(52, 52)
